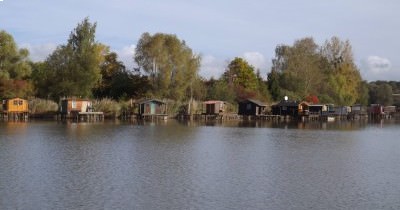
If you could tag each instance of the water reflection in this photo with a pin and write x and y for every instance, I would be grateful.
(199, 165)
(313, 125)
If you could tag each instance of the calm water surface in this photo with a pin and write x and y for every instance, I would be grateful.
(50, 165)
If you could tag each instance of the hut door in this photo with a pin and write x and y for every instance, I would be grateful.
(210, 108)
(152, 108)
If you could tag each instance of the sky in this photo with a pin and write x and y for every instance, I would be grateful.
(218, 30)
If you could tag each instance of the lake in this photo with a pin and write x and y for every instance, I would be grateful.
(187, 165)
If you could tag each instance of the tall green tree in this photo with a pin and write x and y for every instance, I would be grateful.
(296, 70)
(344, 79)
(381, 93)
(171, 64)
(306, 69)
(74, 69)
(119, 83)
(241, 77)
(15, 68)
(274, 85)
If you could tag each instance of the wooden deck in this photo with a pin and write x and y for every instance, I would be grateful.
(83, 116)
(14, 116)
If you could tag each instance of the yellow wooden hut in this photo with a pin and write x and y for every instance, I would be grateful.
(15, 105)
(15, 108)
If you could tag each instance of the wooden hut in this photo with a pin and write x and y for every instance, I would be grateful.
(341, 110)
(318, 109)
(152, 108)
(286, 108)
(303, 108)
(75, 105)
(376, 111)
(15, 108)
(251, 107)
(80, 109)
(214, 107)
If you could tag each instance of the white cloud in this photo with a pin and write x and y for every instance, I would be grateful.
(211, 67)
(378, 68)
(39, 52)
(256, 59)
(377, 65)
(126, 55)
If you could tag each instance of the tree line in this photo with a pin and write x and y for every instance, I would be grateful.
(167, 68)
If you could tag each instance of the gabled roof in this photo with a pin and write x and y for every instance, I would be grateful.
(75, 99)
(145, 101)
(254, 101)
(213, 102)
(287, 103)
(15, 98)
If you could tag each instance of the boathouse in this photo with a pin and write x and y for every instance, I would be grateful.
(214, 107)
(286, 108)
(251, 107)
(303, 108)
(376, 111)
(75, 105)
(151, 109)
(341, 110)
(318, 109)
(79, 109)
(15, 108)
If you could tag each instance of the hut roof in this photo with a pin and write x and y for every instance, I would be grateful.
(145, 101)
(287, 103)
(76, 99)
(213, 102)
(254, 101)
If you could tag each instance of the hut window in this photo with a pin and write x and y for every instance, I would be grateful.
(20, 102)
(248, 107)
(73, 104)
(15, 102)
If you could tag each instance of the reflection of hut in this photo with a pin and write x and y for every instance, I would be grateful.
(213, 107)
(151, 108)
(15, 108)
(251, 107)
(286, 108)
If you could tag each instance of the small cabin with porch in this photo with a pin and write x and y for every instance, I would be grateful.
(214, 107)
(151, 107)
(251, 107)
(75, 105)
(286, 108)
(79, 109)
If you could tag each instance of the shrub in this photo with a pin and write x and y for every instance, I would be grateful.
(109, 107)
(42, 106)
